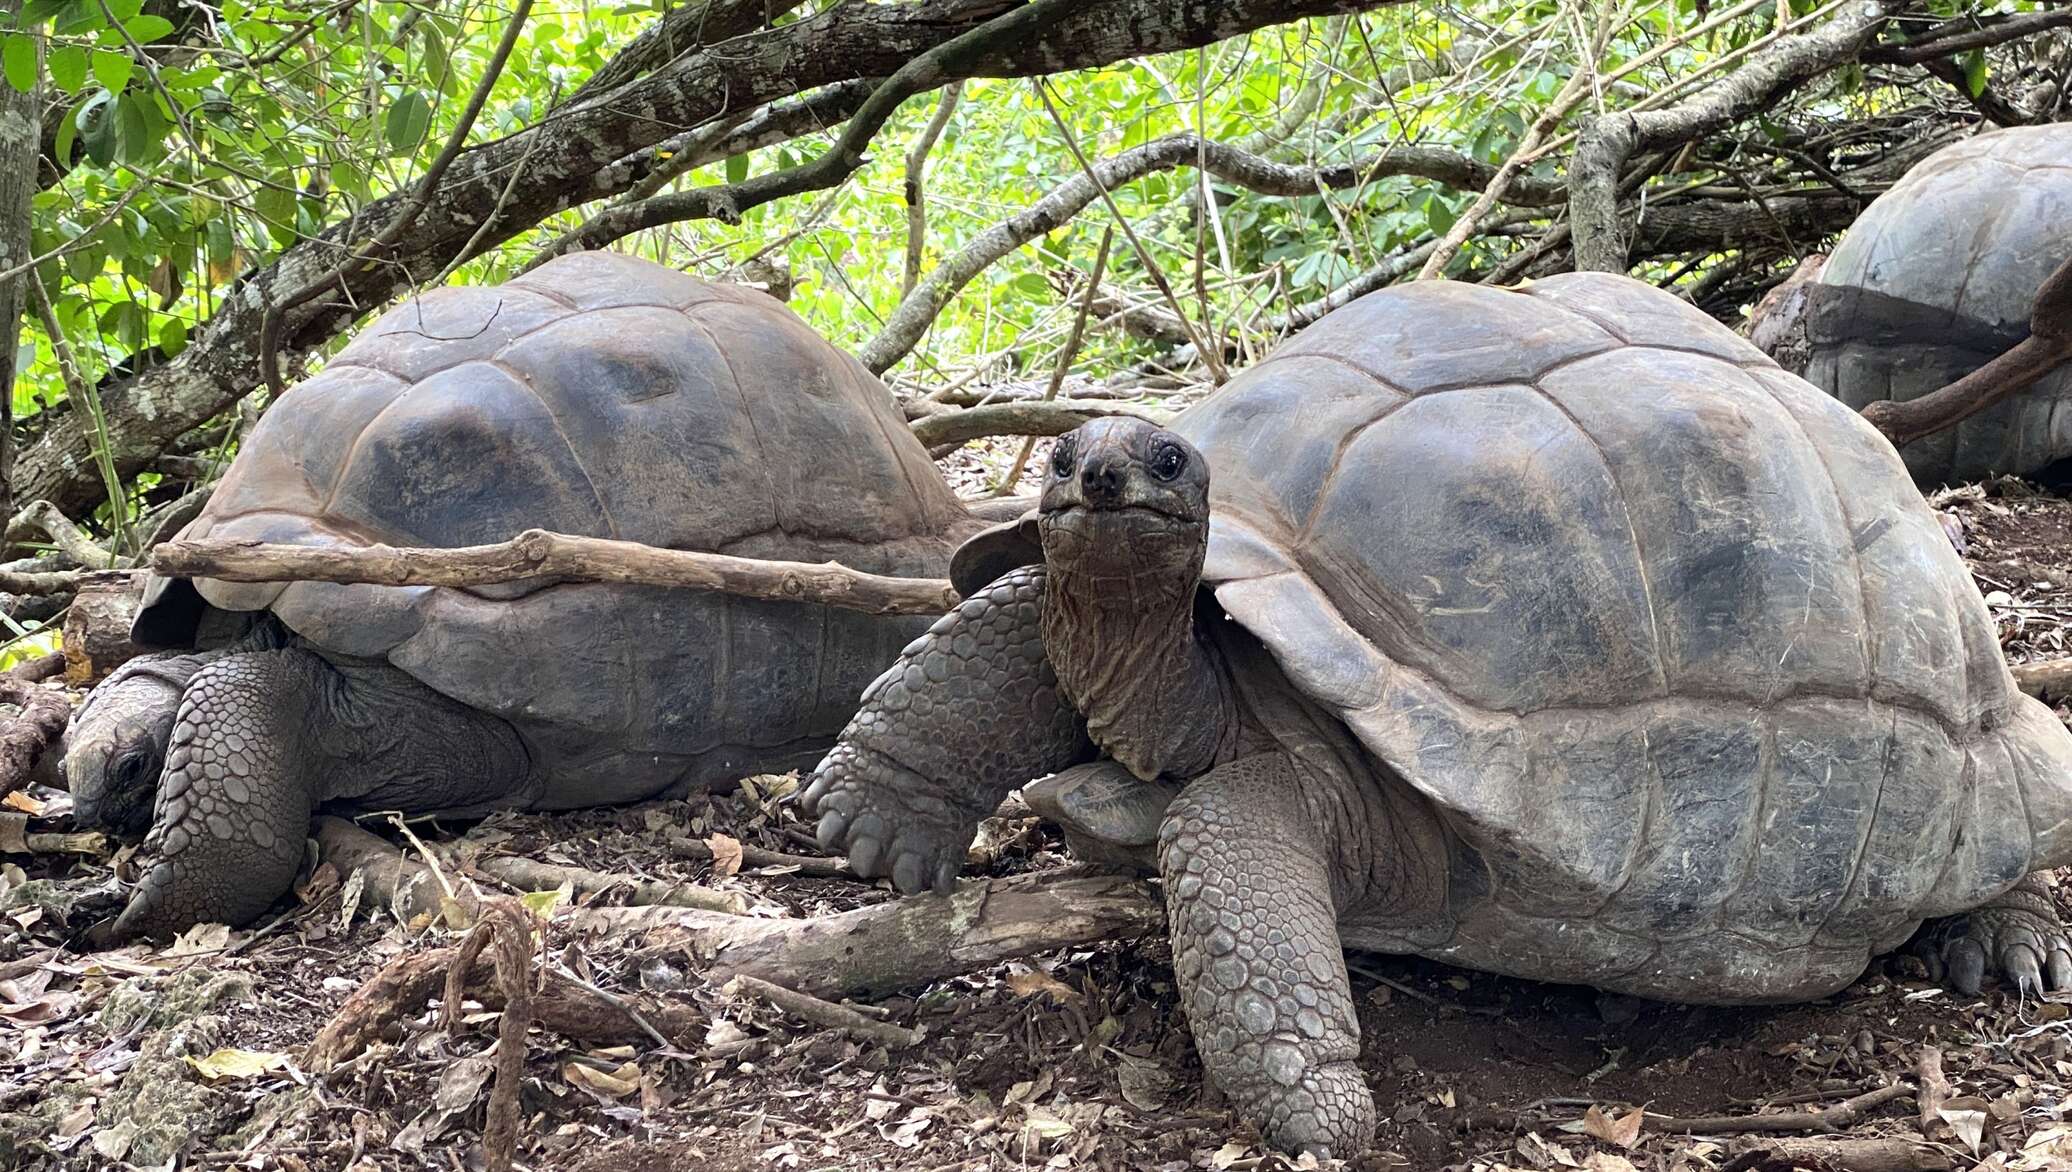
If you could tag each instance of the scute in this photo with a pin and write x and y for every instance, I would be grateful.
(1666, 636)
(606, 396)
(1935, 278)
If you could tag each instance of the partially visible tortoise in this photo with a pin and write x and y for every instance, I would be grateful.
(1553, 632)
(1935, 279)
(599, 395)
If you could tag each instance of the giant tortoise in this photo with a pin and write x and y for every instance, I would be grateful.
(1935, 279)
(599, 395)
(1554, 632)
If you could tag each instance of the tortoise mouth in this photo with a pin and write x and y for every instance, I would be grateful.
(1136, 535)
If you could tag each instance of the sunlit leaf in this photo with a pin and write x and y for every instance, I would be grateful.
(408, 120)
(112, 70)
(18, 55)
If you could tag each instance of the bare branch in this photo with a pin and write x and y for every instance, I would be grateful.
(1601, 237)
(916, 192)
(1038, 417)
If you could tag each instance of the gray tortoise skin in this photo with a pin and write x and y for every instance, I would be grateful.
(1553, 632)
(1936, 278)
(600, 395)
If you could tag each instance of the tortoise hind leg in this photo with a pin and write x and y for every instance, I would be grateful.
(2017, 933)
(1248, 887)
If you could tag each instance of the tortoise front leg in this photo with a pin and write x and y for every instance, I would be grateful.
(970, 710)
(262, 738)
(1248, 889)
(2017, 933)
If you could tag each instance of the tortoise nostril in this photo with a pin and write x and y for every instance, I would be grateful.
(1101, 482)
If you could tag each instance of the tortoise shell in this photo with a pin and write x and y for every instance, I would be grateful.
(1936, 278)
(1666, 636)
(606, 396)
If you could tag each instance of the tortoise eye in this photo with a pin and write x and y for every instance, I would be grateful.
(1168, 461)
(1062, 460)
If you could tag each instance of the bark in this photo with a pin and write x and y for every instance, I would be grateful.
(1055, 417)
(97, 629)
(2049, 680)
(539, 554)
(2048, 345)
(25, 739)
(1602, 235)
(567, 160)
(826, 1014)
(21, 140)
(903, 942)
(1842, 1155)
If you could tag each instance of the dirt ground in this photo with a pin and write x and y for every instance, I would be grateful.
(193, 1055)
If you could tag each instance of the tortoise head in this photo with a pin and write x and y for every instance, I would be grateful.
(1125, 499)
(115, 747)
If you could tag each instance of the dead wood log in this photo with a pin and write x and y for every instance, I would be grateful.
(2049, 680)
(2048, 345)
(404, 886)
(97, 628)
(1840, 1155)
(26, 738)
(508, 927)
(903, 942)
(401, 989)
(531, 875)
(1055, 417)
(825, 1014)
(536, 553)
(45, 518)
(39, 669)
(17, 839)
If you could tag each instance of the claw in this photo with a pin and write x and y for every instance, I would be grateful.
(909, 873)
(946, 875)
(2019, 962)
(810, 799)
(1966, 962)
(829, 833)
(2059, 969)
(867, 845)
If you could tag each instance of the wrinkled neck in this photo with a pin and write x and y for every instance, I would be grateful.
(1132, 657)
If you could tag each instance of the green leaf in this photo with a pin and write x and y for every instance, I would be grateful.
(737, 167)
(140, 139)
(148, 28)
(1974, 72)
(112, 70)
(18, 55)
(275, 204)
(67, 65)
(172, 336)
(408, 120)
(68, 133)
(97, 127)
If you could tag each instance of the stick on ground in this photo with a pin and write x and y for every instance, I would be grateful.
(892, 945)
(390, 880)
(25, 739)
(825, 1014)
(536, 553)
(529, 875)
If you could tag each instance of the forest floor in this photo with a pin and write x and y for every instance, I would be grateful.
(192, 1055)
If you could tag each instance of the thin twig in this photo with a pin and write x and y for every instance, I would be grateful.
(1065, 356)
(916, 190)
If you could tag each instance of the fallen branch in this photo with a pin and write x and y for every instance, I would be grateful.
(686, 847)
(45, 518)
(97, 625)
(1931, 1090)
(536, 553)
(17, 839)
(400, 990)
(25, 739)
(2048, 345)
(388, 879)
(1842, 1155)
(903, 942)
(1834, 1118)
(39, 669)
(1040, 417)
(507, 925)
(825, 1014)
(531, 875)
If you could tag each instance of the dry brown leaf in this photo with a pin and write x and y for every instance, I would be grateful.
(726, 854)
(1623, 1131)
(23, 802)
(1034, 981)
(1607, 1162)
(616, 1084)
(201, 938)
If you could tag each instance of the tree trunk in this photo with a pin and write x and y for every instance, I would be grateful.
(21, 138)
